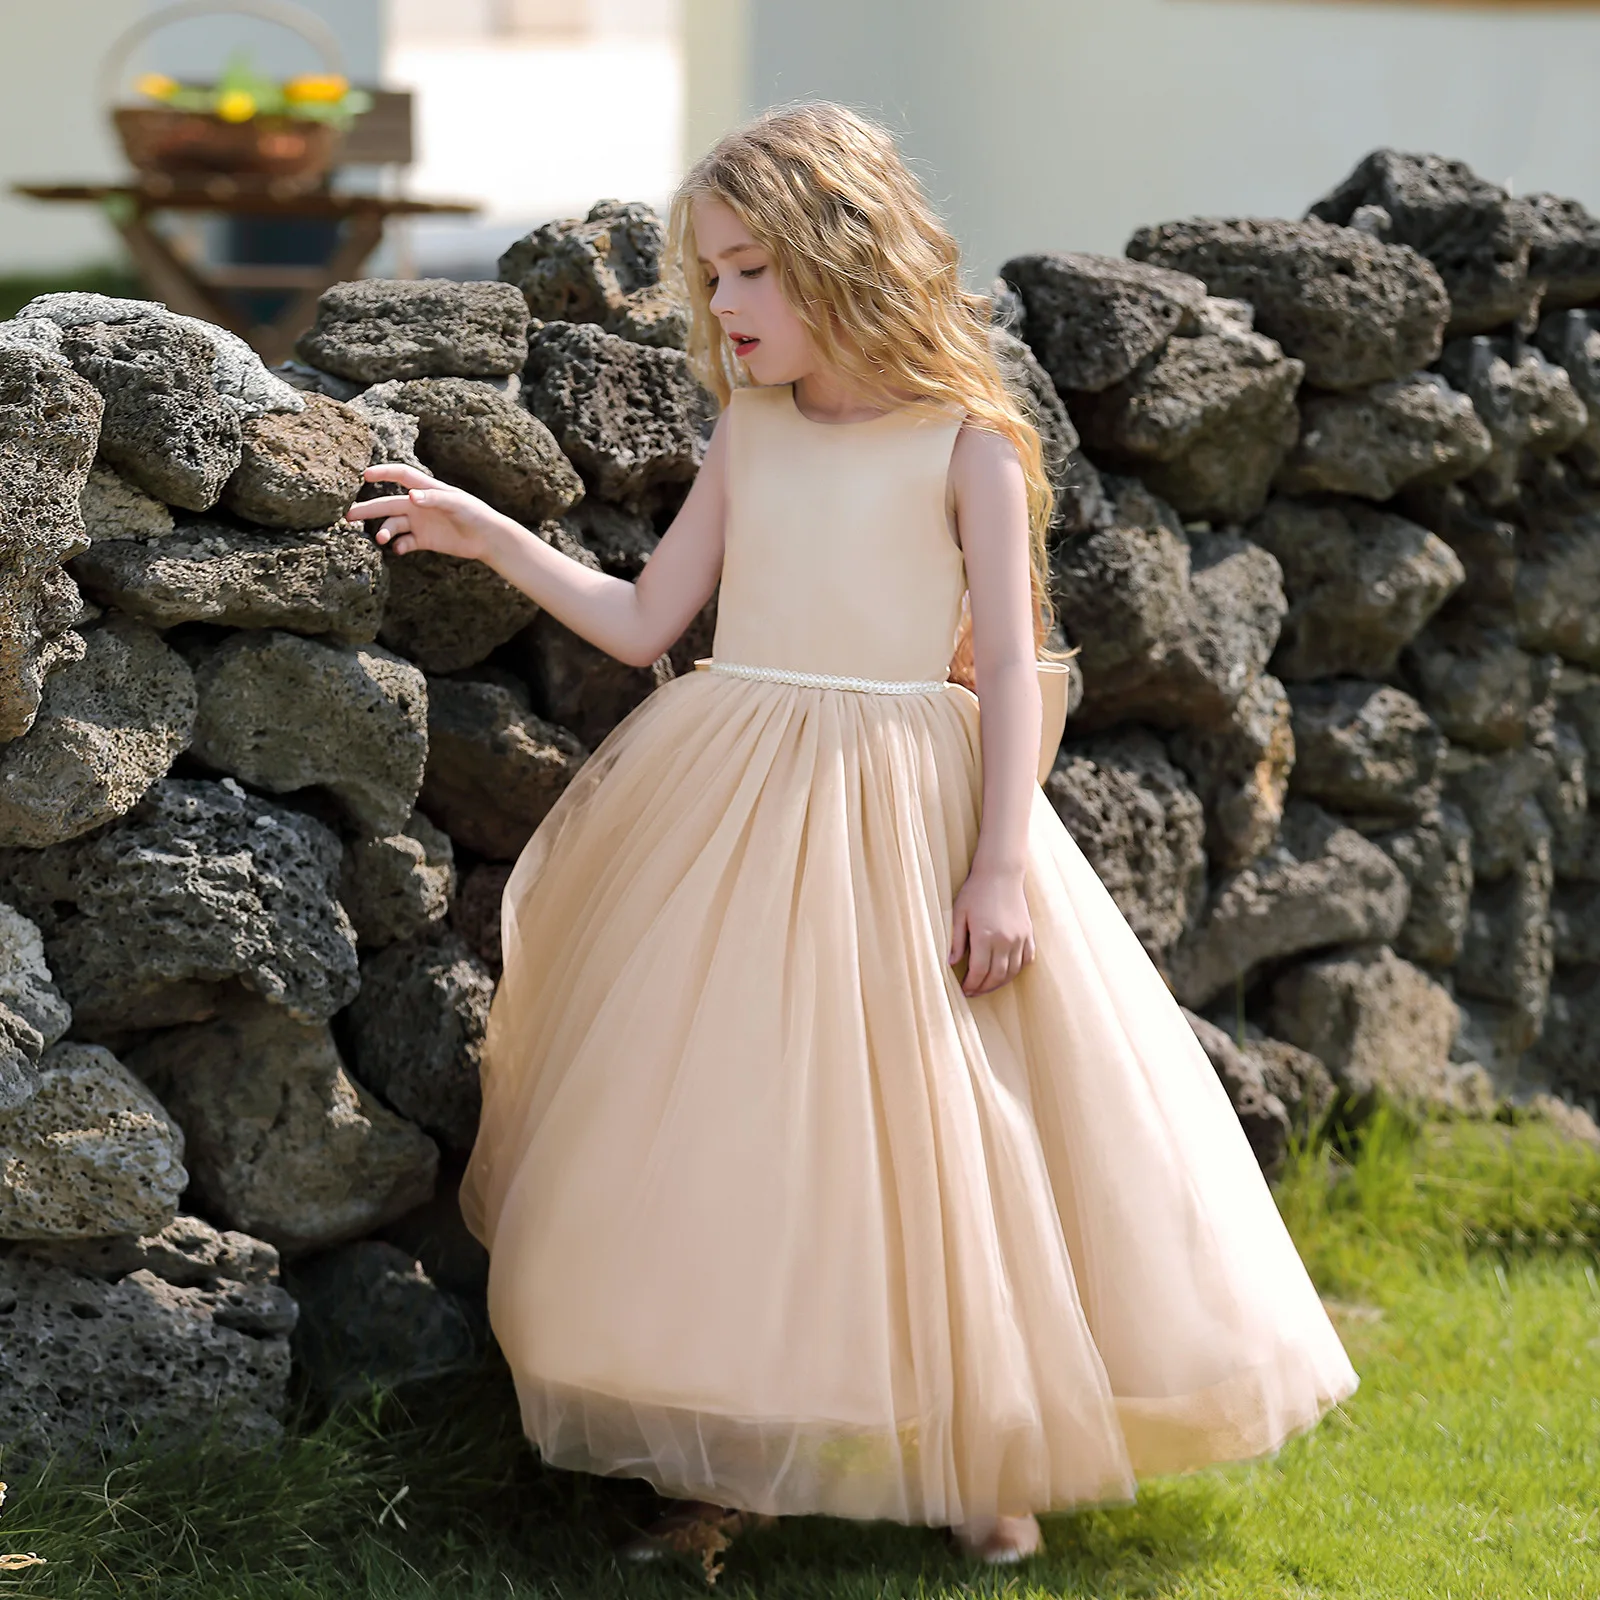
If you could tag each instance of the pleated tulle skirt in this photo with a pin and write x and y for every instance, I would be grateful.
(779, 1218)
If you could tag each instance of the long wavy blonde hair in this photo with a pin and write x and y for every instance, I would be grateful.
(874, 276)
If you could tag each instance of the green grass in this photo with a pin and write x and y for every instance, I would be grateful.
(1461, 1262)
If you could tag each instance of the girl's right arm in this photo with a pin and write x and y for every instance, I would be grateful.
(635, 622)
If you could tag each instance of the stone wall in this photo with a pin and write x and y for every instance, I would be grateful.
(1328, 541)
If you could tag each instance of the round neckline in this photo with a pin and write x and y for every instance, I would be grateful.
(859, 422)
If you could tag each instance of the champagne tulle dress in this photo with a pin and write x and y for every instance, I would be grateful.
(777, 1216)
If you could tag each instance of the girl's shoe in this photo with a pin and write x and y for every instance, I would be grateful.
(694, 1528)
(1000, 1541)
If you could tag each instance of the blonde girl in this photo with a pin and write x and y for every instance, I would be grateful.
(842, 1150)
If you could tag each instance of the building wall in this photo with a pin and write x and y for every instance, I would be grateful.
(1065, 124)
(53, 126)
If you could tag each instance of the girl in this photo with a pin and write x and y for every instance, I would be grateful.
(842, 1151)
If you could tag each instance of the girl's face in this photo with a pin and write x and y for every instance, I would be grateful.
(746, 298)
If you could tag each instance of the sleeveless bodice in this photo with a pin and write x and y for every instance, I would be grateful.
(840, 557)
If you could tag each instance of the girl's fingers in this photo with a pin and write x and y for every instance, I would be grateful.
(386, 506)
(391, 527)
(958, 936)
(979, 962)
(399, 472)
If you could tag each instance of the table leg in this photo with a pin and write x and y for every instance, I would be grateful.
(275, 340)
(171, 279)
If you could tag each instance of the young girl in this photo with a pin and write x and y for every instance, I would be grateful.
(842, 1151)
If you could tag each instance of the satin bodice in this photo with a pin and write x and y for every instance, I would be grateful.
(840, 555)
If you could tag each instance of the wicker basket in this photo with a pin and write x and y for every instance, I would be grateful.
(186, 144)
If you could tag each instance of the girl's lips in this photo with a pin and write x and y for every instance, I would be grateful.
(743, 344)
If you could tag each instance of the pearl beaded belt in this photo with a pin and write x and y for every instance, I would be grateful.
(824, 680)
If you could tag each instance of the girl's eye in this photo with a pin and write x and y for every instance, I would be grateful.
(751, 272)
(711, 285)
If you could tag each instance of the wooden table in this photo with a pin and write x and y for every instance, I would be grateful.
(197, 291)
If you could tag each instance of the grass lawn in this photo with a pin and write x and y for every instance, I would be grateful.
(1460, 1261)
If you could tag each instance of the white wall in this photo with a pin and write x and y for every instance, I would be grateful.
(535, 127)
(1066, 124)
(53, 126)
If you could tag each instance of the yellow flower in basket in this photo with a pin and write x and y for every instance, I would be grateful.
(157, 85)
(316, 88)
(236, 106)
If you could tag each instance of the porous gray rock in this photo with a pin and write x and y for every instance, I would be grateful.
(89, 1365)
(1241, 772)
(1091, 319)
(165, 426)
(610, 268)
(494, 768)
(1555, 603)
(26, 986)
(201, 891)
(283, 713)
(1500, 796)
(479, 440)
(331, 581)
(1474, 233)
(1206, 422)
(187, 1251)
(1475, 682)
(1365, 749)
(398, 885)
(1568, 1049)
(281, 1142)
(576, 685)
(370, 1315)
(1354, 310)
(1383, 1027)
(300, 469)
(236, 372)
(1261, 1113)
(91, 1151)
(113, 508)
(1080, 497)
(1508, 953)
(1564, 252)
(1436, 857)
(21, 1045)
(1320, 884)
(446, 613)
(1484, 541)
(49, 419)
(416, 1033)
(373, 329)
(1571, 339)
(632, 419)
(620, 541)
(1141, 826)
(437, 1237)
(108, 725)
(475, 911)
(1360, 583)
(1575, 923)
(1374, 442)
(1527, 404)
(1172, 628)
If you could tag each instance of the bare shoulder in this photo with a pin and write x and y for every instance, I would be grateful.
(981, 455)
(985, 469)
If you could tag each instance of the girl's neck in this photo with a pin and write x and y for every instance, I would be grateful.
(826, 396)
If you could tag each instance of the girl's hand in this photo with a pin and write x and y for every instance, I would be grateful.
(991, 926)
(430, 516)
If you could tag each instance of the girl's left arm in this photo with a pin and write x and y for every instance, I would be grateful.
(991, 924)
